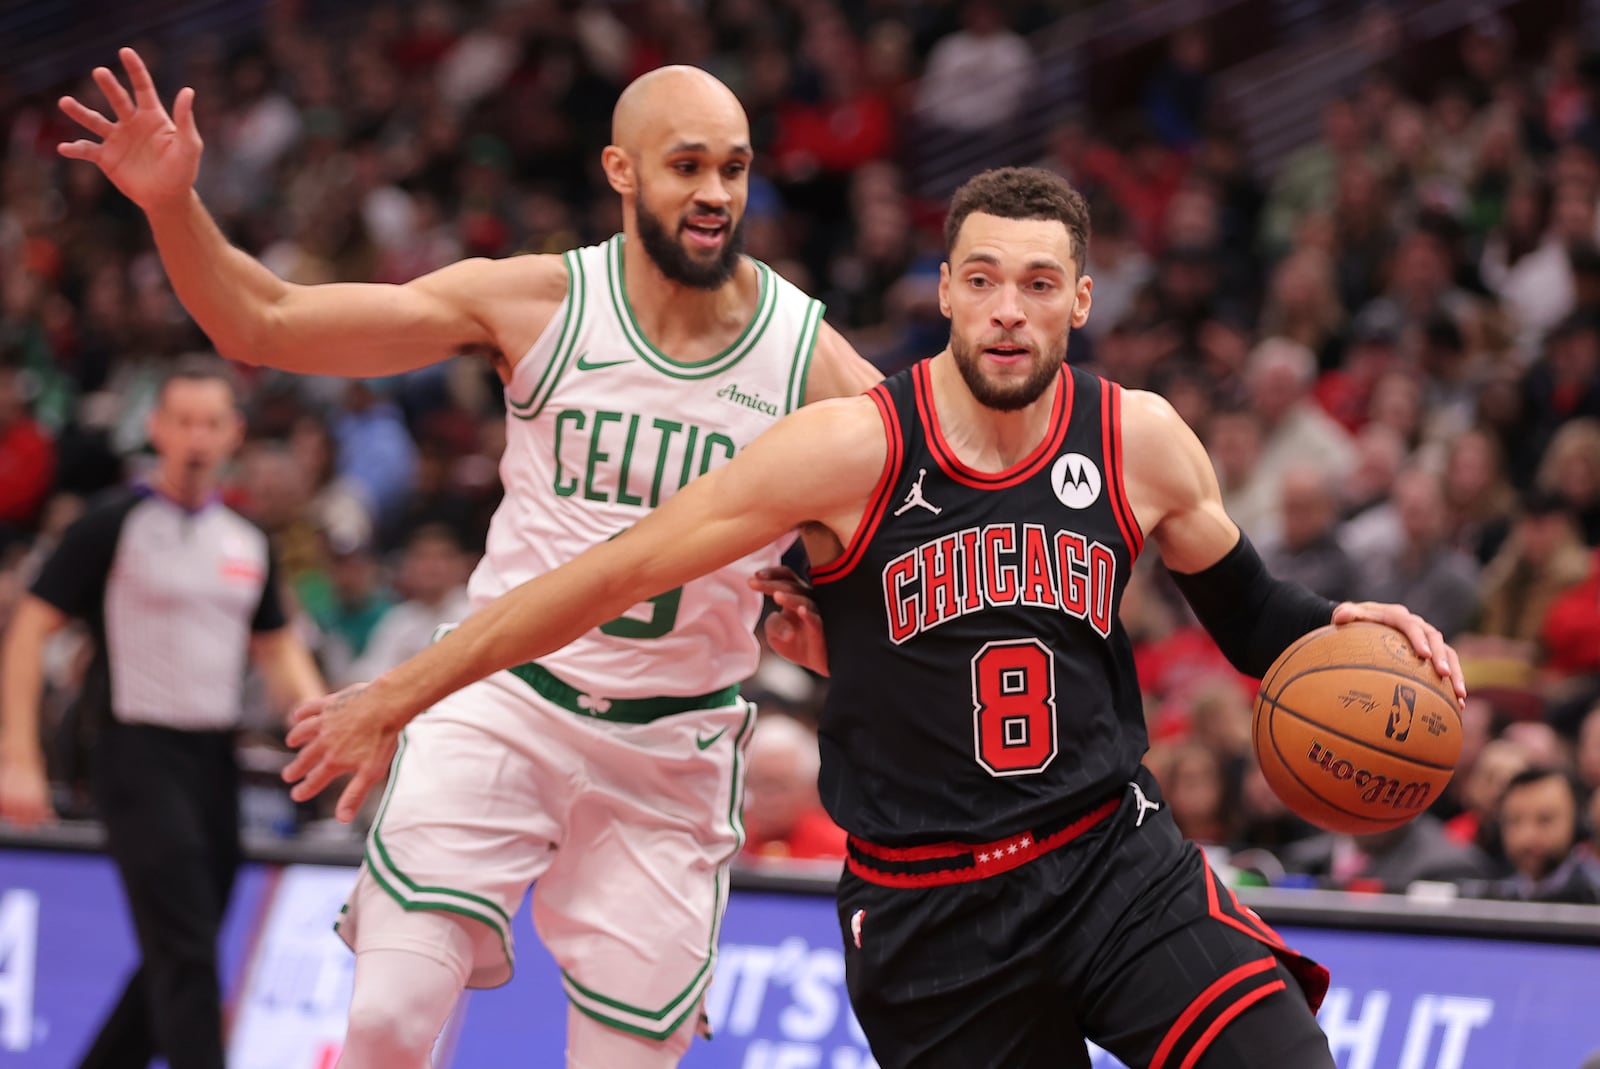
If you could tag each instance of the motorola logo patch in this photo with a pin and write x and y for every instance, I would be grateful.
(1076, 480)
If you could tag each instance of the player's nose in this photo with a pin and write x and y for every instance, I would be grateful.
(1007, 313)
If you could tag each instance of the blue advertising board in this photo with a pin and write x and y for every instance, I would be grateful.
(778, 1001)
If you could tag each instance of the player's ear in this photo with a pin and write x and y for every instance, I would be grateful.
(1082, 301)
(619, 169)
(944, 289)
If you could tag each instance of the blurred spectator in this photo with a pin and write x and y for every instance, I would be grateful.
(782, 814)
(1483, 782)
(1196, 789)
(1380, 451)
(1571, 470)
(1542, 557)
(1565, 384)
(1118, 265)
(1307, 180)
(1421, 570)
(1478, 494)
(1178, 93)
(359, 600)
(1306, 550)
(1588, 755)
(1345, 391)
(1295, 429)
(976, 78)
(433, 582)
(1248, 491)
(1569, 637)
(27, 458)
(1541, 823)
(1303, 306)
(375, 451)
(1418, 850)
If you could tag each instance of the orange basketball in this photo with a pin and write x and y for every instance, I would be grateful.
(1354, 731)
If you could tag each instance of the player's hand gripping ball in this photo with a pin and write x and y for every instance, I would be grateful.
(1354, 731)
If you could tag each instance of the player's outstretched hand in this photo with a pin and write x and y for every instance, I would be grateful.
(346, 732)
(1425, 638)
(152, 157)
(795, 631)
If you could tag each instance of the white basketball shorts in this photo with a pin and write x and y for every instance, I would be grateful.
(625, 831)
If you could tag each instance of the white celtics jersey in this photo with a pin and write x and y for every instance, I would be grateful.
(601, 428)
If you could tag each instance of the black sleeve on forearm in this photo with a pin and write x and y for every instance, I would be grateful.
(1252, 616)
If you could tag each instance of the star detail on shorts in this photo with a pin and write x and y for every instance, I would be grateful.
(985, 856)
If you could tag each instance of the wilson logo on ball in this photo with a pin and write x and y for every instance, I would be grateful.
(1375, 788)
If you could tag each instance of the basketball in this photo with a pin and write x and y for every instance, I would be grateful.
(1354, 731)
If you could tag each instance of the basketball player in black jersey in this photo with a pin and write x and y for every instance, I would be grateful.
(1014, 884)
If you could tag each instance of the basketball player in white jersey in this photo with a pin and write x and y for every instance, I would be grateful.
(607, 775)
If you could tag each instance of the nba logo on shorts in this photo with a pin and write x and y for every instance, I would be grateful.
(855, 926)
(1075, 480)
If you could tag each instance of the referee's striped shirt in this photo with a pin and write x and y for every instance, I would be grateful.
(172, 595)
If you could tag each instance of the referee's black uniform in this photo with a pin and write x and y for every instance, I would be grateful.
(173, 596)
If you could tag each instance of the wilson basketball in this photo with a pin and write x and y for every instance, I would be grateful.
(1354, 731)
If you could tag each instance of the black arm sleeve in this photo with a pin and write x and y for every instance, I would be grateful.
(1252, 616)
(269, 613)
(73, 578)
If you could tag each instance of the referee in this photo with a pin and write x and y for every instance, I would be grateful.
(178, 590)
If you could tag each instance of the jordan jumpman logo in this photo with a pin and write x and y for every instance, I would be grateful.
(915, 499)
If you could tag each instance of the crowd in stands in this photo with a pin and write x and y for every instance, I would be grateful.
(1390, 344)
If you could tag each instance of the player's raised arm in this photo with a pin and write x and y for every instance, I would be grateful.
(1252, 615)
(817, 467)
(252, 315)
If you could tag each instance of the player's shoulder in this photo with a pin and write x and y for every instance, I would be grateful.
(1148, 420)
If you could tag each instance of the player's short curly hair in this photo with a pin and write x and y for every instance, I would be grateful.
(1022, 193)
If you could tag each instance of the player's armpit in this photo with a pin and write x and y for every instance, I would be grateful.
(366, 329)
(837, 370)
(1171, 485)
(817, 466)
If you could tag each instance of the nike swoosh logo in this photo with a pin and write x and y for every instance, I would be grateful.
(704, 743)
(584, 365)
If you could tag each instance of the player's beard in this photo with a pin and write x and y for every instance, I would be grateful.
(676, 262)
(1006, 396)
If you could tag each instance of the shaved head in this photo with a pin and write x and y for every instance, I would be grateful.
(663, 98)
(680, 158)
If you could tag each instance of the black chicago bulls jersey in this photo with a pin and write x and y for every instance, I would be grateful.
(982, 684)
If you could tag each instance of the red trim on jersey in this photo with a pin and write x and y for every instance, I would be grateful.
(837, 569)
(1202, 1002)
(1111, 444)
(982, 860)
(1060, 417)
(1244, 1002)
(1313, 978)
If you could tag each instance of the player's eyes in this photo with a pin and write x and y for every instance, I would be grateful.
(685, 167)
(978, 282)
(734, 170)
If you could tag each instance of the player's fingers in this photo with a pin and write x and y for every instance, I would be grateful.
(85, 116)
(779, 629)
(316, 781)
(1438, 651)
(356, 792)
(307, 709)
(1457, 678)
(80, 150)
(121, 103)
(144, 87)
(302, 763)
(303, 732)
(183, 113)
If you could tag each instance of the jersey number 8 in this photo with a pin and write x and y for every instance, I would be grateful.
(1014, 707)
